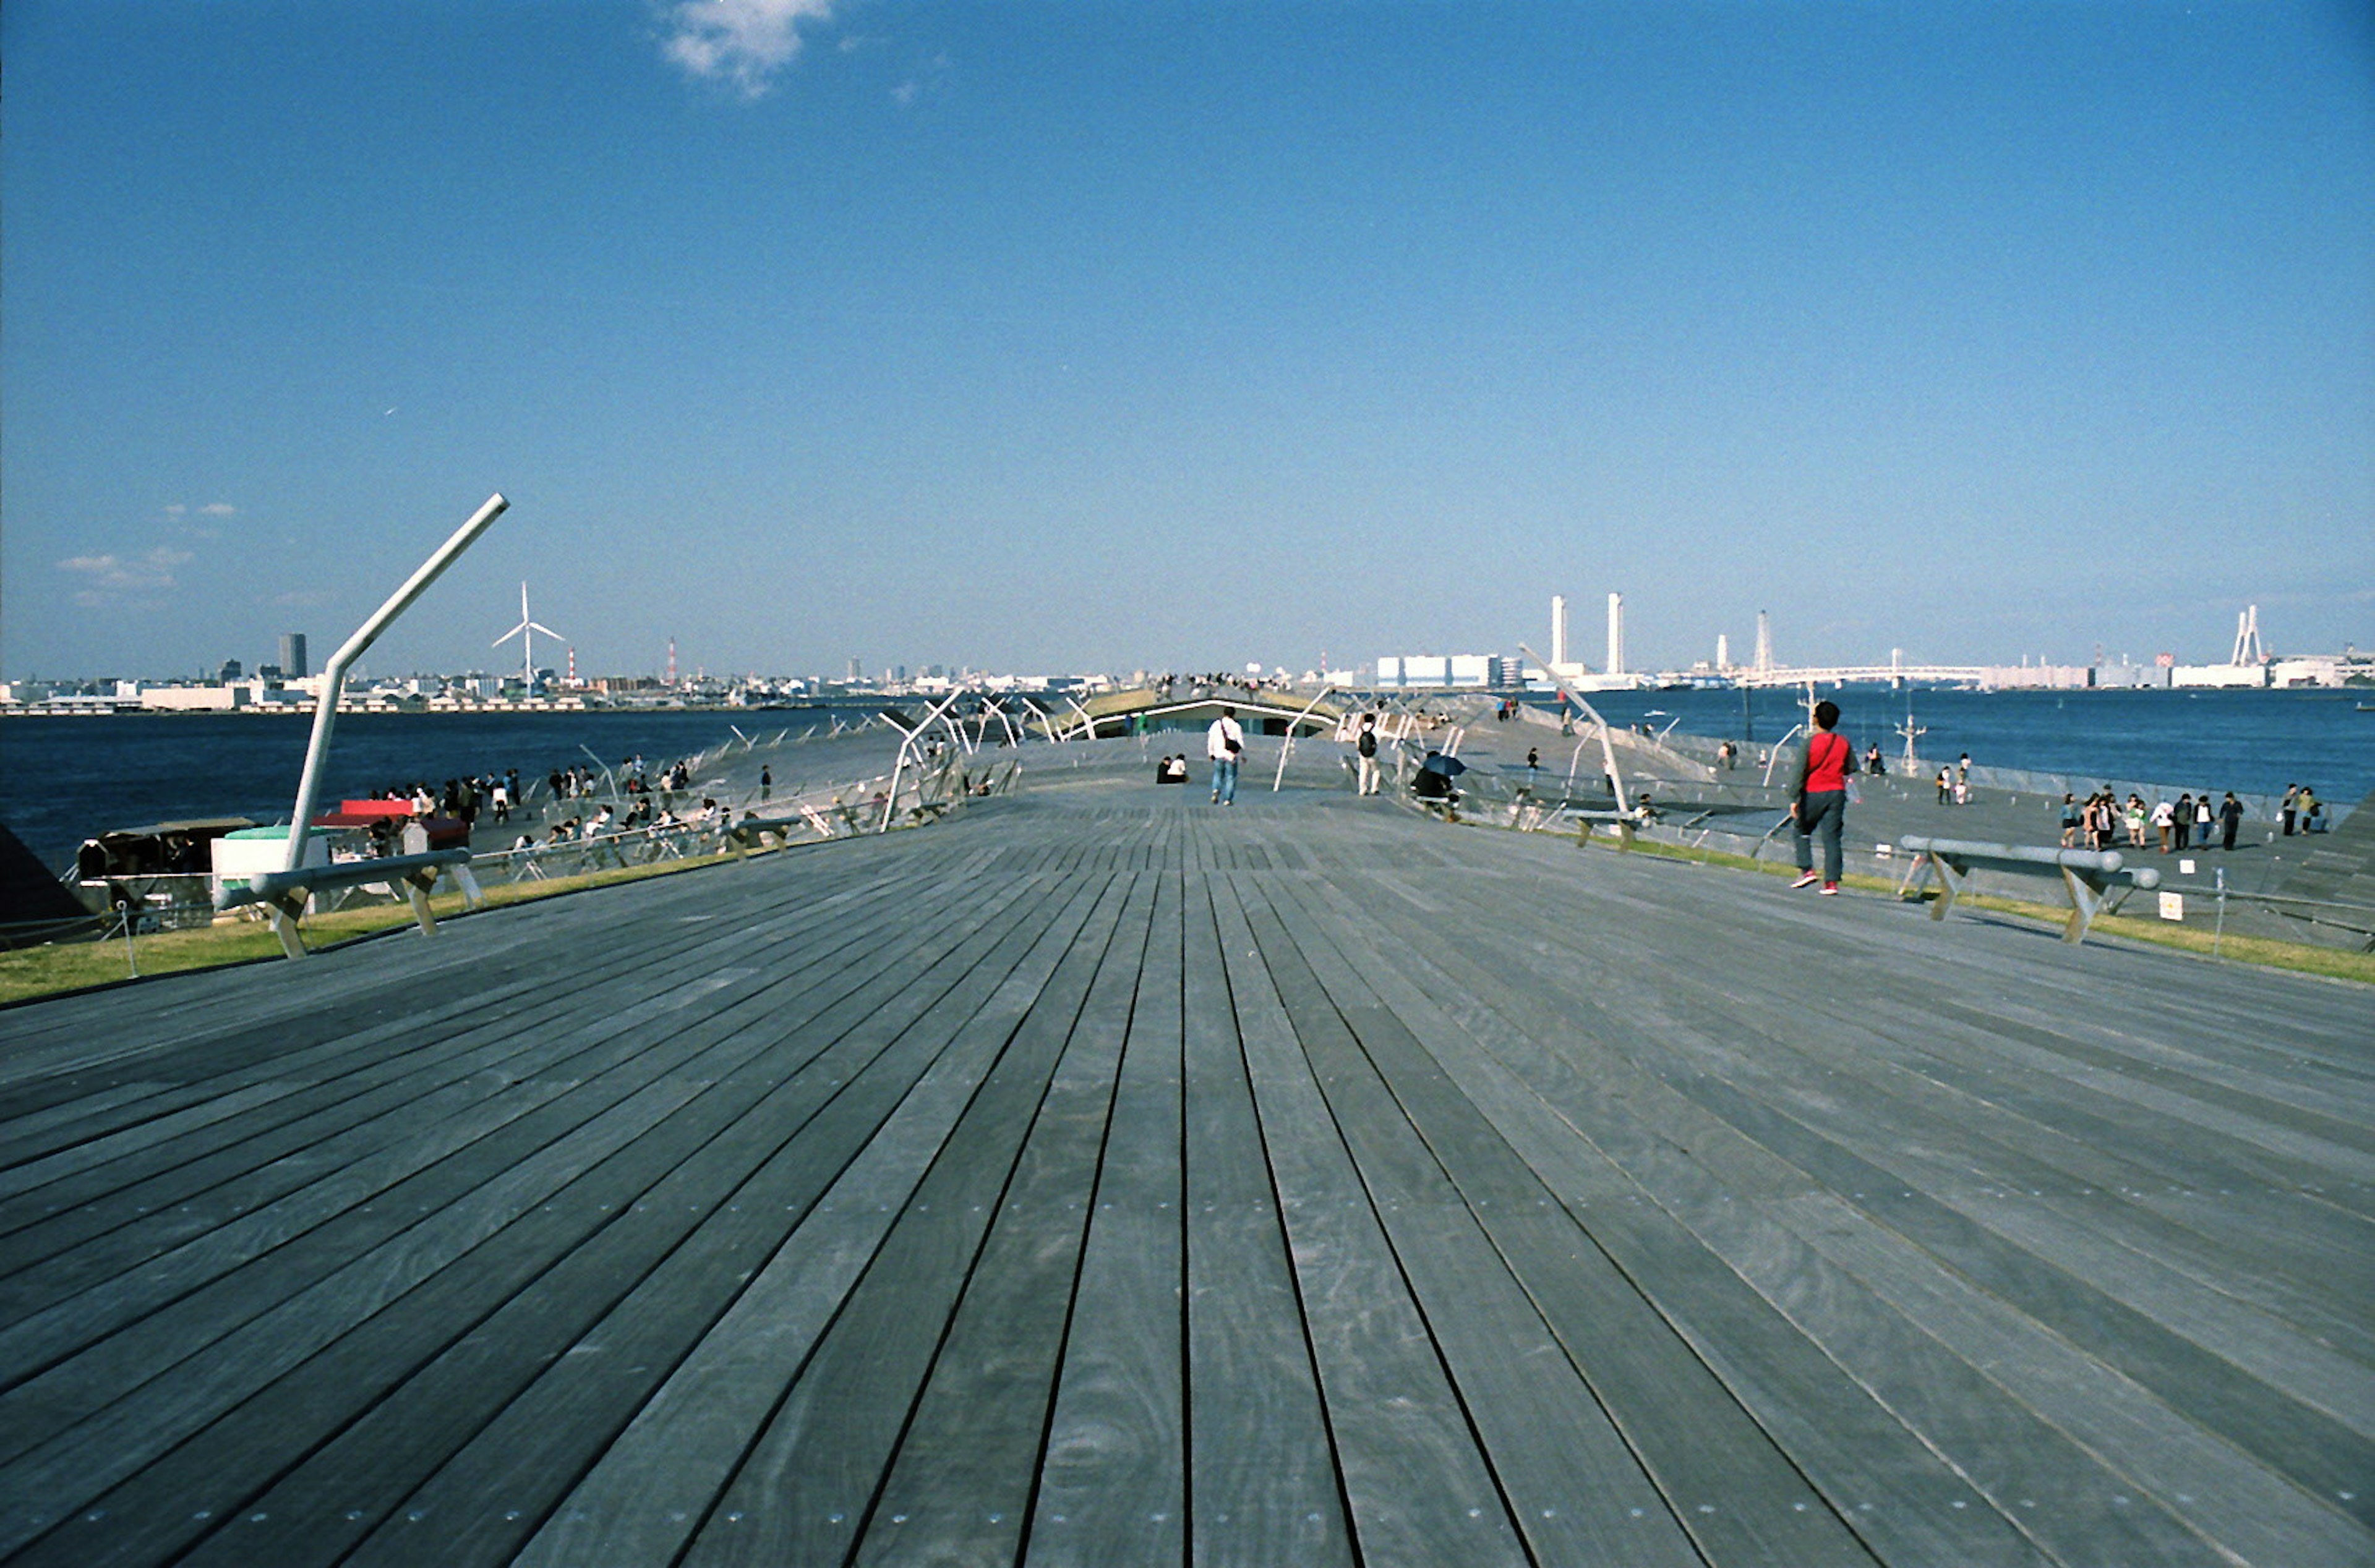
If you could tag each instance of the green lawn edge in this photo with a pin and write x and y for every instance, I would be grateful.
(55, 969)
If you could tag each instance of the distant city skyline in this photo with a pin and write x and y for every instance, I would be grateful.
(1064, 337)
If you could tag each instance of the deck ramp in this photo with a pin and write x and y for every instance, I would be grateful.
(1104, 1177)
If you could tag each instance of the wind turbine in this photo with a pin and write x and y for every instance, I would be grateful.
(526, 631)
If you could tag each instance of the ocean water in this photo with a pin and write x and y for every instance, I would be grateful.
(62, 780)
(2254, 742)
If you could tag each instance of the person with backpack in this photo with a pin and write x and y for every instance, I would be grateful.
(1225, 742)
(1820, 801)
(1366, 747)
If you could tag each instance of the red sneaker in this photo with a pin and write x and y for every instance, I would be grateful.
(1830, 889)
(1808, 881)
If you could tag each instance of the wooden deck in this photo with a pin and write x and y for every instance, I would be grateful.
(1106, 1178)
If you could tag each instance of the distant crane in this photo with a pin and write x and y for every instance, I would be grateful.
(526, 631)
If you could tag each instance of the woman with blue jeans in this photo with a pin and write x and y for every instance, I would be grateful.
(1821, 801)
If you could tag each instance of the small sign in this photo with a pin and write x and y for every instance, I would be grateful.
(2172, 906)
(1884, 850)
(2185, 867)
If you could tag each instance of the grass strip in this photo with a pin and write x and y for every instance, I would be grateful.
(2267, 952)
(55, 967)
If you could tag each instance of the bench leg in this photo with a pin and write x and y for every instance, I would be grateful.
(1950, 884)
(416, 890)
(283, 913)
(471, 893)
(2086, 902)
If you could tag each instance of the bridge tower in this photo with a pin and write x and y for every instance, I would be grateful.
(2248, 648)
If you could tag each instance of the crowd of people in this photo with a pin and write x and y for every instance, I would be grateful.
(637, 795)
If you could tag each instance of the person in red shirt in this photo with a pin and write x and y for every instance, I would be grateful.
(1821, 802)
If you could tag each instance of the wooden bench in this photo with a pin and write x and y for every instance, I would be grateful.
(2087, 874)
(285, 894)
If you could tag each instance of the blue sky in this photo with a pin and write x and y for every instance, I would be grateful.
(1087, 334)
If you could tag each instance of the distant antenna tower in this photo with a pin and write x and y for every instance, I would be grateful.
(573, 665)
(2248, 648)
(1764, 642)
(671, 679)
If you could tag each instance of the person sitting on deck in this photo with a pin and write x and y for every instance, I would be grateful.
(1172, 769)
(1435, 776)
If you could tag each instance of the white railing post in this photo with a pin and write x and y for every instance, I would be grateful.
(334, 673)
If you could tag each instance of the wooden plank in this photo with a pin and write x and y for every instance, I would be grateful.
(1729, 1485)
(1575, 1488)
(802, 1493)
(649, 1490)
(960, 1487)
(495, 1489)
(1594, 1110)
(465, 1203)
(328, 1069)
(710, 1223)
(1112, 1477)
(1261, 1471)
(1415, 1483)
(262, 1171)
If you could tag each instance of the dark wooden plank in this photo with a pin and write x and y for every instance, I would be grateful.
(1262, 1471)
(262, 1175)
(2055, 1490)
(1112, 1481)
(1591, 1110)
(1416, 1485)
(803, 1491)
(960, 1487)
(505, 1479)
(711, 1222)
(268, 1321)
(650, 1488)
(329, 1071)
(1729, 1485)
(1575, 1487)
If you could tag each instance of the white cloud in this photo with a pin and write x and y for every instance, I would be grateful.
(742, 42)
(106, 578)
(935, 71)
(217, 509)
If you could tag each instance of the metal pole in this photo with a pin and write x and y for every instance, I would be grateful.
(334, 673)
(1287, 750)
(1607, 751)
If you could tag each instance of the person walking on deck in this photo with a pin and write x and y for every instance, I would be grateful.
(1225, 742)
(2291, 803)
(1366, 747)
(2230, 818)
(1821, 797)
